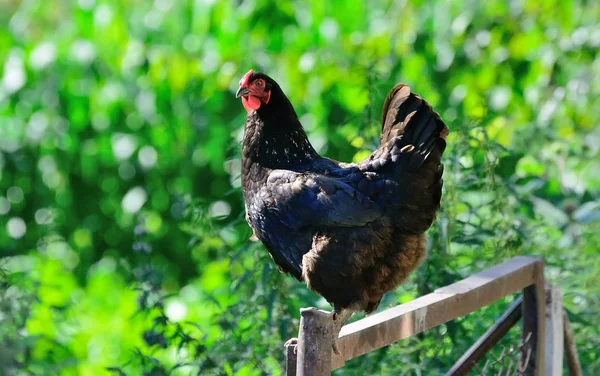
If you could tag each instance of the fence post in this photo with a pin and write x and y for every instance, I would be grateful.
(314, 343)
(290, 358)
(534, 319)
(554, 331)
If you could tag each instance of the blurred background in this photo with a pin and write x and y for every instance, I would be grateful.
(123, 244)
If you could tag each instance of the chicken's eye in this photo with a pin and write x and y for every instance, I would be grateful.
(258, 83)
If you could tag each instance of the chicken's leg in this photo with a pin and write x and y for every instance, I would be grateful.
(340, 316)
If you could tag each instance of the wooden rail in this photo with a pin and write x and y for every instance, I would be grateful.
(315, 358)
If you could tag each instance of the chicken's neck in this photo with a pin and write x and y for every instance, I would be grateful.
(275, 139)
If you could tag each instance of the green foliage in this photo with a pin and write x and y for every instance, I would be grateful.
(123, 243)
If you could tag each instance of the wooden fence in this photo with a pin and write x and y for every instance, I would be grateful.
(540, 307)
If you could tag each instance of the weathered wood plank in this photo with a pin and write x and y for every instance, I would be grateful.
(554, 331)
(290, 359)
(439, 307)
(534, 322)
(314, 347)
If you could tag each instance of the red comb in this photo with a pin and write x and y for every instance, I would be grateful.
(246, 78)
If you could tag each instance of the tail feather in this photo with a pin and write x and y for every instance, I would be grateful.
(414, 138)
(398, 105)
(408, 120)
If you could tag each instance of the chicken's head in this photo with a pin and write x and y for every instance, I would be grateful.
(254, 90)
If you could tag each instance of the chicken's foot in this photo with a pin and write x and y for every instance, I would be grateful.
(292, 342)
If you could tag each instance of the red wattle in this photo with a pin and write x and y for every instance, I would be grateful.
(251, 103)
(245, 104)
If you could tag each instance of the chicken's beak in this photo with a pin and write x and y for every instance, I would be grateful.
(242, 91)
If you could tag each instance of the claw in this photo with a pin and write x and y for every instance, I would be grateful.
(335, 348)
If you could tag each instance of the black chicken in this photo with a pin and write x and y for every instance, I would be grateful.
(351, 231)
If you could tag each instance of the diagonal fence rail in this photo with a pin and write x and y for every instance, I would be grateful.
(313, 356)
